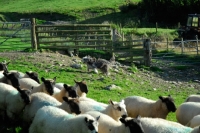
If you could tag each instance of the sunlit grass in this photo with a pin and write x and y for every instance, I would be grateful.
(60, 6)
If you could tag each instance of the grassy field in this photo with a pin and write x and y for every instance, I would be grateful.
(132, 81)
(60, 6)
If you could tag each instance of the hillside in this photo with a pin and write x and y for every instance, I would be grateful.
(59, 6)
(79, 11)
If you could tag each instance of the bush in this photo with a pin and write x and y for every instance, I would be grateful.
(128, 6)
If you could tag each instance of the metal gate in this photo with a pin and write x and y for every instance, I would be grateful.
(180, 51)
(15, 35)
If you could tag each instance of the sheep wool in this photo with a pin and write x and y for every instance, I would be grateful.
(195, 121)
(193, 98)
(40, 100)
(196, 130)
(13, 100)
(47, 85)
(186, 111)
(49, 117)
(159, 125)
(109, 125)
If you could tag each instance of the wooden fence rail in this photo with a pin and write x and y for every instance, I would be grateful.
(96, 36)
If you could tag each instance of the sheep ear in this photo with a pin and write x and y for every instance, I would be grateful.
(138, 117)
(5, 74)
(97, 118)
(54, 79)
(122, 101)
(161, 98)
(86, 119)
(68, 88)
(7, 63)
(65, 86)
(65, 99)
(43, 79)
(27, 73)
(111, 102)
(75, 81)
(123, 121)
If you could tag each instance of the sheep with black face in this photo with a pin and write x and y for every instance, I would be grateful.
(47, 85)
(137, 105)
(49, 117)
(12, 101)
(39, 100)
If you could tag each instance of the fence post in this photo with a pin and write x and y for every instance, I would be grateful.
(197, 45)
(33, 34)
(147, 52)
(122, 39)
(167, 45)
(156, 27)
(113, 40)
(182, 46)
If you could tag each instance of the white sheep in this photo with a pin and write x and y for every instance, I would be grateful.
(196, 130)
(94, 101)
(55, 120)
(137, 105)
(81, 88)
(195, 121)
(186, 111)
(67, 91)
(11, 79)
(114, 109)
(159, 125)
(47, 85)
(193, 98)
(13, 101)
(109, 125)
(39, 100)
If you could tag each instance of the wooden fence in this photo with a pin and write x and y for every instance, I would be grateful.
(71, 36)
(95, 36)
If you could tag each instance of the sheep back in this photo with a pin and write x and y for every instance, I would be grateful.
(28, 83)
(56, 120)
(86, 106)
(196, 130)
(159, 125)
(38, 100)
(11, 101)
(193, 98)
(108, 124)
(186, 111)
(195, 121)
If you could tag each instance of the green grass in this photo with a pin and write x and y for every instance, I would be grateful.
(59, 6)
(131, 84)
(11, 45)
(152, 32)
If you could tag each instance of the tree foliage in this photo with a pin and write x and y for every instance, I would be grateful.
(168, 11)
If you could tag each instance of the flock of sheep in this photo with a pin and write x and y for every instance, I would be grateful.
(47, 106)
